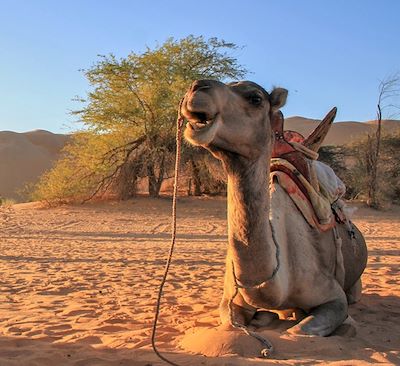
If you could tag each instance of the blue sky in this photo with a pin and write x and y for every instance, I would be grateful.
(325, 52)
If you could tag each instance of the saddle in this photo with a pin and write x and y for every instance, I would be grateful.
(281, 147)
(291, 167)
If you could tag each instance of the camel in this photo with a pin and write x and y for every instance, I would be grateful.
(275, 260)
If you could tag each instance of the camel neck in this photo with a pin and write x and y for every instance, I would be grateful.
(250, 238)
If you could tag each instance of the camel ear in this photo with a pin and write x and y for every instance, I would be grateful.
(278, 98)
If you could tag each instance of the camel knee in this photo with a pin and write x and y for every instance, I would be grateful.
(235, 313)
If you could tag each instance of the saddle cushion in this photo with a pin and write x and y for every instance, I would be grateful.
(315, 208)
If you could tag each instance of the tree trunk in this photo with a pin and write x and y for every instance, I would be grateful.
(374, 149)
(161, 172)
(196, 177)
(151, 175)
(127, 182)
(154, 181)
(128, 178)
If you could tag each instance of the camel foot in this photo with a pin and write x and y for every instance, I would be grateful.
(323, 320)
(300, 330)
(263, 319)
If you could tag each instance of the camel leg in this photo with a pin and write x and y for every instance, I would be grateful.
(241, 315)
(323, 319)
(353, 294)
(263, 319)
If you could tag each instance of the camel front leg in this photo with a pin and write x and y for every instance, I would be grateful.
(323, 319)
(242, 313)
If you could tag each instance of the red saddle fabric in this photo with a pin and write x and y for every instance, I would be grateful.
(282, 149)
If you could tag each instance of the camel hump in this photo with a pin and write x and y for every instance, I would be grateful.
(316, 138)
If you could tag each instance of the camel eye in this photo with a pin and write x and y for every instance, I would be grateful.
(255, 99)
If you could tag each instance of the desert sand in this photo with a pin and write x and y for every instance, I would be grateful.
(78, 286)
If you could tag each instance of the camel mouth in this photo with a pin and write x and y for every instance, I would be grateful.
(200, 121)
(200, 128)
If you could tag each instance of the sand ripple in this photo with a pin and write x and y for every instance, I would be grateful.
(78, 286)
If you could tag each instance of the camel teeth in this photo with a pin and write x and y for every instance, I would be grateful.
(200, 125)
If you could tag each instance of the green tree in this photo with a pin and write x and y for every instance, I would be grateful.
(131, 112)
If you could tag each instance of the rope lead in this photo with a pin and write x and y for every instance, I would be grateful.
(179, 126)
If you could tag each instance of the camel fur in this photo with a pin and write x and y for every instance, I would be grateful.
(233, 122)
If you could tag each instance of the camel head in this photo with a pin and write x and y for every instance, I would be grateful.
(231, 118)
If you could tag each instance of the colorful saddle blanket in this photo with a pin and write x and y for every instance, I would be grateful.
(313, 186)
(315, 208)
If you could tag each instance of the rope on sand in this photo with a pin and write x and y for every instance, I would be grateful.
(179, 125)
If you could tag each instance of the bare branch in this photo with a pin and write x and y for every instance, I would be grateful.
(106, 181)
(126, 148)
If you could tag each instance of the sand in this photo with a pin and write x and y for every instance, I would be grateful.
(78, 287)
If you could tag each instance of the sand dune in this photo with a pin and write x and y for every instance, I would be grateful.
(341, 133)
(24, 157)
(78, 286)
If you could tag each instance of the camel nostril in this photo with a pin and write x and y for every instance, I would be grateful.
(200, 85)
